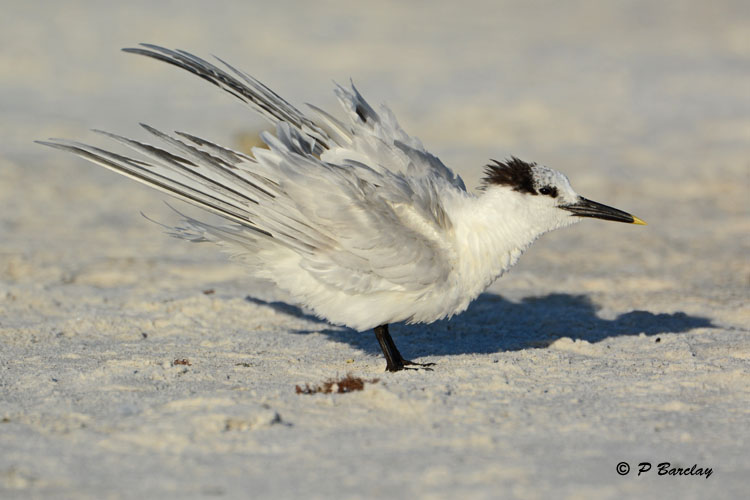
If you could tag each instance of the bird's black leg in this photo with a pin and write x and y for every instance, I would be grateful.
(394, 361)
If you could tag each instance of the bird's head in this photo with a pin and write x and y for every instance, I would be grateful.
(544, 196)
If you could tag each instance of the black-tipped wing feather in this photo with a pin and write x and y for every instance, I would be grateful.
(246, 88)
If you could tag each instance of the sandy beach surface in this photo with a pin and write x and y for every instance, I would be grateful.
(135, 365)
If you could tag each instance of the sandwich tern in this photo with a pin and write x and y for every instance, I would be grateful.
(355, 219)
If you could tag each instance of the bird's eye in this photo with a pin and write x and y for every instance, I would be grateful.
(548, 191)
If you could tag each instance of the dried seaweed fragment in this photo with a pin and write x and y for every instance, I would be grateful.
(349, 383)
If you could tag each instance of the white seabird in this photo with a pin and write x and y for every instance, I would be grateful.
(354, 218)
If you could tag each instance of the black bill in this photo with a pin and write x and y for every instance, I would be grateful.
(588, 208)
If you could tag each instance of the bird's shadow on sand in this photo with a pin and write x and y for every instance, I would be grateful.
(494, 324)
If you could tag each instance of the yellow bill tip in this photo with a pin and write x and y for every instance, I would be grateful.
(638, 221)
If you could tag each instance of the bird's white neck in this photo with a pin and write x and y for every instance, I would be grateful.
(492, 231)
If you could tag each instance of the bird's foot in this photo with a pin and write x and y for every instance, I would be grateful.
(406, 364)
(394, 361)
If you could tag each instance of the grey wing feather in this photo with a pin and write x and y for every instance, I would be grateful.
(385, 126)
(168, 174)
(246, 88)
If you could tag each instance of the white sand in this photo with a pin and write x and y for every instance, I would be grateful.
(607, 343)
